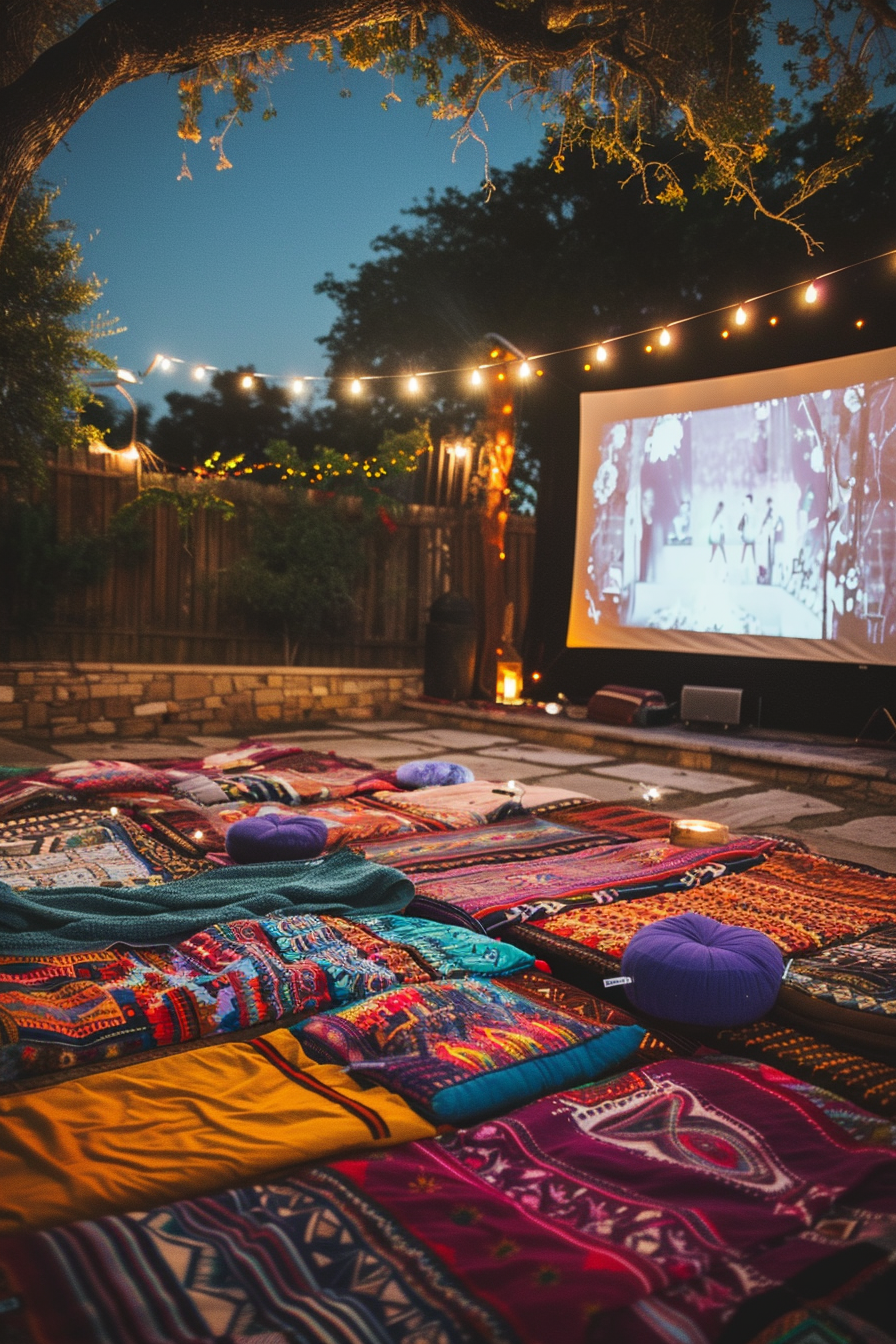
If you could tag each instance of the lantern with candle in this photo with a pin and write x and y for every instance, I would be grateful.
(509, 687)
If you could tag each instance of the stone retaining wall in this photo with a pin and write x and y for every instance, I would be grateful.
(59, 700)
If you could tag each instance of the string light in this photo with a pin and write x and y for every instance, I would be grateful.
(413, 384)
(811, 293)
(587, 368)
(725, 335)
(125, 376)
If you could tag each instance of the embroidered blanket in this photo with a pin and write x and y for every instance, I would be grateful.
(516, 840)
(801, 901)
(608, 873)
(683, 1186)
(349, 821)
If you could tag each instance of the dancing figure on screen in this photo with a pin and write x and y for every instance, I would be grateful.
(747, 529)
(717, 533)
(771, 532)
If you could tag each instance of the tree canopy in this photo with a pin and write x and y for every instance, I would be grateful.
(556, 261)
(610, 76)
(42, 348)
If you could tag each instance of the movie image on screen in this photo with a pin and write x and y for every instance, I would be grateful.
(756, 522)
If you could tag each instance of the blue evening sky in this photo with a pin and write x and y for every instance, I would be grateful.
(221, 269)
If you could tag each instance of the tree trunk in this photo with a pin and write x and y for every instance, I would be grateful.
(498, 453)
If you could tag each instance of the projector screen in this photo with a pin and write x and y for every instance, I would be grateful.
(751, 515)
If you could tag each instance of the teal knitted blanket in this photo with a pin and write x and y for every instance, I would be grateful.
(46, 922)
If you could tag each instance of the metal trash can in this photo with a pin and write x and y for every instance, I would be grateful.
(449, 665)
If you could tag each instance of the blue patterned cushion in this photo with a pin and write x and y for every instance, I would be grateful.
(464, 1049)
(450, 950)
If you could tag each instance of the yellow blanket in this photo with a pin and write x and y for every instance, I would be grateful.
(181, 1126)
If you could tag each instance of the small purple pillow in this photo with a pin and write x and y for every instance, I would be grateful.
(692, 969)
(266, 839)
(432, 774)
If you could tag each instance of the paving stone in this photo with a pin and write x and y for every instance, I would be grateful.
(378, 749)
(210, 744)
(877, 831)
(118, 750)
(673, 777)
(297, 735)
(548, 756)
(608, 790)
(453, 737)
(385, 725)
(15, 753)
(759, 809)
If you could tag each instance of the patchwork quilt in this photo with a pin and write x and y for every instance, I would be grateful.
(667, 1197)
(87, 1007)
(87, 848)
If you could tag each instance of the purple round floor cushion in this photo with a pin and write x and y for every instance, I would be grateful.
(692, 969)
(266, 839)
(429, 774)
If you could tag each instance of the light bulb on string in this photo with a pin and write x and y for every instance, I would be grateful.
(298, 386)
(811, 293)
(665, 337)
(199, 372)
(413, 384)
(164, 363)
(525, 369)
(600, 354)
(475, 377)
(247, 382)
(356, 385)
(740, 316)
(125, 376)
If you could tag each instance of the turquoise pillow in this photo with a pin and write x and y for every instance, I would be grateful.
(450, 949)
(462, 1050)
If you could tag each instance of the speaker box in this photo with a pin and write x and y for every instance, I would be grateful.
(711, 704)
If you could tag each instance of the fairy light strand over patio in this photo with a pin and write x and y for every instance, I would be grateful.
(660, 337)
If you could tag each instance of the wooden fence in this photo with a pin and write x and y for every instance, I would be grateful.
(171, 606)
